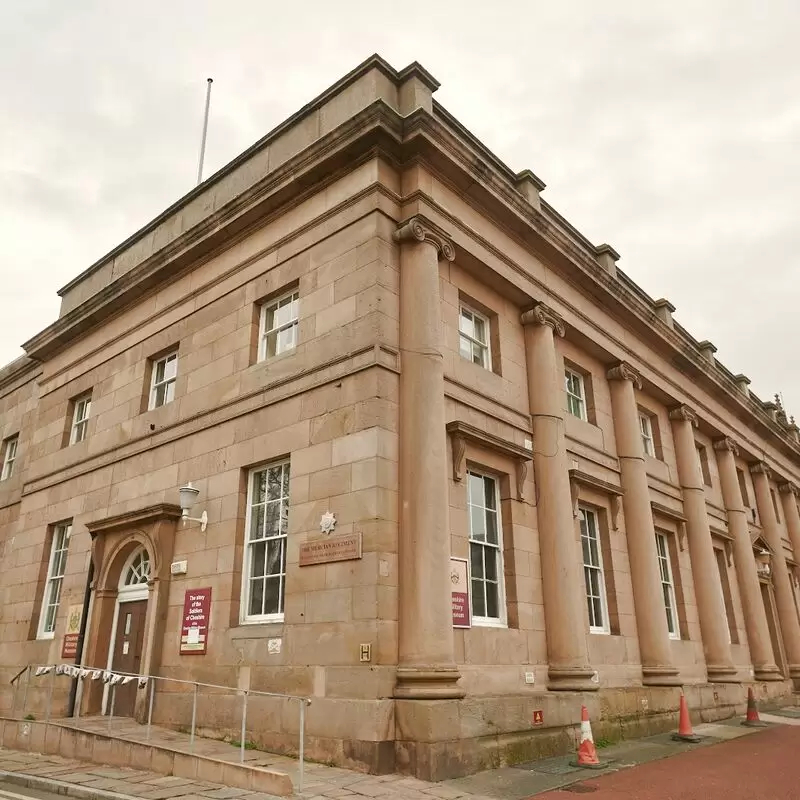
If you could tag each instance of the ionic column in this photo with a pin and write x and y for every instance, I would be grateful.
(426, 664)
(562, 581)
(648, 601)
(705, 572)
(784, 596)
(755, 617)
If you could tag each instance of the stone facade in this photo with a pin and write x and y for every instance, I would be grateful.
(370, 299)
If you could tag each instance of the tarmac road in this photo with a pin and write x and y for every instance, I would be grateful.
(764, 766)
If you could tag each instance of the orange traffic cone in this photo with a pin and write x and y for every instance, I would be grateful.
(587, 753)
(752, 720)
(685, 733)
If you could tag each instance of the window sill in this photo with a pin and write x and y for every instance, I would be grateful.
(482, 622)
(599, 632)
(257, 629)
(45, 636)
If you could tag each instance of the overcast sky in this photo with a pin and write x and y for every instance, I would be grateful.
(669, 129)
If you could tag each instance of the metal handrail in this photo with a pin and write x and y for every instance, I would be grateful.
(245, 693)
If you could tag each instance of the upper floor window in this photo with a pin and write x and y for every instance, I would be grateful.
(667, 585)
(576, 393)
(593, 576)
(9, 456)
(267, 524)
(702, 454)
(646, 429)
(474, 337)
(162, 382)
(55, 577)
(743, 486)
(81, 409)
(485, 550)
(278, 326)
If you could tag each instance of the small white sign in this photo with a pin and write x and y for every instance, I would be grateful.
(530, 677)
(529, 444)
(193, 636)
(125, 648)
(274, 646)
(179, 567)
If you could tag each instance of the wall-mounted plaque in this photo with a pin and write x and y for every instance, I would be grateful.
(339, 547)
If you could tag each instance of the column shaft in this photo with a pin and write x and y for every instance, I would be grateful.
(784, 596)
(562, 581)
(755, 618)
(705, 572)
(651, 617)
(426, 666)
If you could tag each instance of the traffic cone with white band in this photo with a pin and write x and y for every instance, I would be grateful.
(752, 720)
(587, 753)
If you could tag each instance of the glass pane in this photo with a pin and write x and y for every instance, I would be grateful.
(478, 601)
(475, 490)
(258, 556)
(256, 523)
(492, 604)
(285, 339)
(50, 619)
(258, 487)
(587, 579)
(476, 560)
(590, 611)
(490, 556)
(272, 596)
(465, 347)
(491, 527)
(271, 347)
(274, 483)
(160, 369)
(160, 395)
(256, 596)
(585, 549)
(272, 523)
(274, 557)
(478, 355)
(477, 523)
(479, 328)
(598, 612)
(488, 484)
(465, 323)
(285, 473)
(284, 313)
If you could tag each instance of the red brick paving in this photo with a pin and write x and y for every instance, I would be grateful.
(763, 766)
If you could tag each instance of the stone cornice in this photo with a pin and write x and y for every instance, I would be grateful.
(133, 519)
(726, 443)
(624, 372)
(760, 468)
(684, 413)
(541, 314)
(419, 229)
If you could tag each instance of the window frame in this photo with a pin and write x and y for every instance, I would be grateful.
(293, 297)
(83, 402)
(156, 384)
(668, 583)
(245, 617)
(501, 621)
(485, 347)
(605, 629)
(581, 399)
(647, 435)
(705, 465)
(10, 449)
(54, 583)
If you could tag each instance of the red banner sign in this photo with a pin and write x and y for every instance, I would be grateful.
(196, 619)
(459, 591)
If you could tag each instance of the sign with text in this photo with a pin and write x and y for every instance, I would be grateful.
(69, 647)
(338, 547)
(459, 591)
(196, 619)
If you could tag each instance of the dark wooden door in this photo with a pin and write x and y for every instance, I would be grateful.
(128, 653)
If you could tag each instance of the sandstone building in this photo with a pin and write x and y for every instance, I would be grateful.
(460, 473)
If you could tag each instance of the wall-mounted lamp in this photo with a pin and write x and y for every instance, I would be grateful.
(188, 494)
(762, 557)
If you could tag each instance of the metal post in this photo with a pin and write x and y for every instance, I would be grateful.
(25, 695)
(194, 718)
(302, 742)
(16, 694)
(203, 141)
(244, 727)
(50, 695)
(150, 707)
(113, 698)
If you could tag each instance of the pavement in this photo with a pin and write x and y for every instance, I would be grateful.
(729, 762)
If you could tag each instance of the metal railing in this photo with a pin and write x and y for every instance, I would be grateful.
(245, 694)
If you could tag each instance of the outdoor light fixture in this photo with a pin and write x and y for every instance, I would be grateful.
(188, 495)
(763, 557)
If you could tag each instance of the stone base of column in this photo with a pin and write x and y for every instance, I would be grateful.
(722, 673)
(767, 672)
(794, 675)
(428, 683)
(661, 676)
(571, 679)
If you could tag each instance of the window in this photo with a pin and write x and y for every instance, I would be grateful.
(9, 457)
(266, 529)
(646, 428)
(485, 551)
(727, 599)
(775, 505)
(576, 394)
(667, 585)
(743, 486)
(474, 337)
(55, 576)
(593, 572)
(278, 326)
(162, 385)
(702, 454)
(139, 570)
(82, 407)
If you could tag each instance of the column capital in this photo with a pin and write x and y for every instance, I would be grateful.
(683, 412)
(789, 488)
(541, 314)
(418, 229)
(726, 443)
(760, 468)
(623, 371)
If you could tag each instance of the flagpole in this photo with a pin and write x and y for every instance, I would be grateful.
(205, 131)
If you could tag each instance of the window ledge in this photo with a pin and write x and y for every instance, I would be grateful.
(489, 623)
(45, 636)
(256, 630)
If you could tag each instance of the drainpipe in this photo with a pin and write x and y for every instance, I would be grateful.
(87, 595)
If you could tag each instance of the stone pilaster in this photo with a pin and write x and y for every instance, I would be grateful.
(755, 618)
(651, 618)
(426, 663)
(784, 595)
(705, 572)
(562, 581)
